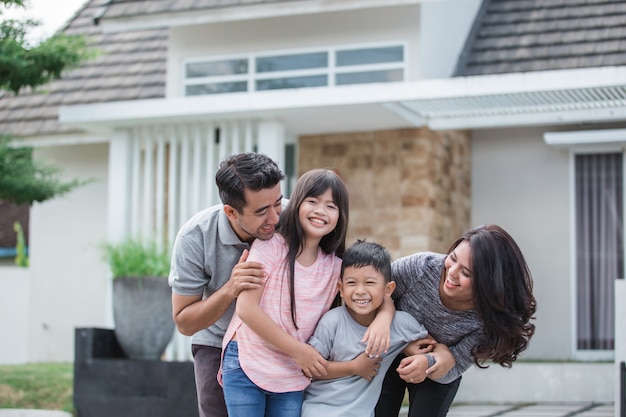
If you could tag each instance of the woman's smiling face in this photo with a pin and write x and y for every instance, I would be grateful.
(457, 283)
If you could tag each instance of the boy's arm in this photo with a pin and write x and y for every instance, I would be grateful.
(378, 334)
(363, 365)
(251, 313)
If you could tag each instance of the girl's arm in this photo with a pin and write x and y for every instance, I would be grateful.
(251, 313)
(378, 333)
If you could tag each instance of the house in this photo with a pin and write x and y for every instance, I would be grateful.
(439, 115)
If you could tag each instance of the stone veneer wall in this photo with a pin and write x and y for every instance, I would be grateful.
(409, 189)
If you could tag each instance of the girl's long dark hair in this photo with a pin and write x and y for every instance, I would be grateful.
(312, 184)
(503, 294)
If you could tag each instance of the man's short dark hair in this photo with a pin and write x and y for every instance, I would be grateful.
(252, 171)
(362, 254)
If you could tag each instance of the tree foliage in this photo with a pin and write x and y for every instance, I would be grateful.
(22, 178)
(23, 65)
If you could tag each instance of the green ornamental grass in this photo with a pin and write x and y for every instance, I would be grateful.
(133, 258)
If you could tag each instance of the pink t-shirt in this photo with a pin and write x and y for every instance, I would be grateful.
(315, 290)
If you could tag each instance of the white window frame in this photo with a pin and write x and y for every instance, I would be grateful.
(584, 143)
(330, 71)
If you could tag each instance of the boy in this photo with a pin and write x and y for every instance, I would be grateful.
(364, 283)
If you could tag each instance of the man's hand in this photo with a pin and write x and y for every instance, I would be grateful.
(245, 276)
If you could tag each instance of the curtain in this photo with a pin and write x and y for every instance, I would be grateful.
(599, 246)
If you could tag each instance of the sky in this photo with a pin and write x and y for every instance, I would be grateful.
(51, 13)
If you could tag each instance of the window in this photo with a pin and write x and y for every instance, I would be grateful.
(305, 69)
(599, 246)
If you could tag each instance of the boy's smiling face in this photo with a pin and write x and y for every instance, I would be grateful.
(363, 291)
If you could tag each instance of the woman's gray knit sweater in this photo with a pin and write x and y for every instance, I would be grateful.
(417, 292)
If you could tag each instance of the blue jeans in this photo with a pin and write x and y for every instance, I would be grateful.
(245, 399)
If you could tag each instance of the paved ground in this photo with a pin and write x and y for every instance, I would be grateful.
(531, 410)
(470, 410)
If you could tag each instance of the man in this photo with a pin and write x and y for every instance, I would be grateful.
(209, 267)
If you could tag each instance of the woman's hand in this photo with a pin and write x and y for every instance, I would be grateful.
(413, 368)
(420, 346)
(444, 361)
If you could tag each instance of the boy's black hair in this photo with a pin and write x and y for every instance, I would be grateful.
(362, 254)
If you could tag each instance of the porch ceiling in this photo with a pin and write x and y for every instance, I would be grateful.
(537, 98)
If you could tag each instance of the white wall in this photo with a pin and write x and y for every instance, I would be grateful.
(522, 184)
(14, 314)
(314, 30)
(538, 382)
(441, 43)
(68, 277)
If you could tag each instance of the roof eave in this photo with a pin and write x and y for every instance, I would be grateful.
(239, 13)
(539, 98)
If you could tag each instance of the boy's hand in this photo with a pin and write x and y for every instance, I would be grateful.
(377, 337)
(365, 366)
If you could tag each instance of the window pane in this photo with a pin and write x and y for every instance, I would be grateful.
(292, 82)
(369, 77)
(599, 247)
(292, 62)
(370, 56)
(217, 88)
(216, 68)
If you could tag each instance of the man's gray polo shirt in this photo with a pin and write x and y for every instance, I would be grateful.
(205, 251)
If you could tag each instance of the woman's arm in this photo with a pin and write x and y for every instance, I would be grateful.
(251, 313)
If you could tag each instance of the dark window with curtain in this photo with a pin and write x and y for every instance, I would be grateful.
(599, 246)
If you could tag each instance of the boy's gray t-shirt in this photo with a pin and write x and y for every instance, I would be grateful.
(338, 338)
(205, 251)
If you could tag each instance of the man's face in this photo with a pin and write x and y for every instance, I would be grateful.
(259, 217)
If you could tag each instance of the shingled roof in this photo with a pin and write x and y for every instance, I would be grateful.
(537, 35)
(131, 66)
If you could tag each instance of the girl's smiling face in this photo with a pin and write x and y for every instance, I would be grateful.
(318, 215)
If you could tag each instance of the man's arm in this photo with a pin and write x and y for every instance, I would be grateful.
(191, 313)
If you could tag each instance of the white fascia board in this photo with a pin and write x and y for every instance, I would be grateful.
(59, 140)
(535, 119)
(585, 137)
(261, 104)
(240, 13)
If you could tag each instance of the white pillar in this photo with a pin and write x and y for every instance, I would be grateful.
(118, 210)
(620, 341)
(271, 141)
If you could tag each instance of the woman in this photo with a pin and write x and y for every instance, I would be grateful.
(477, 300)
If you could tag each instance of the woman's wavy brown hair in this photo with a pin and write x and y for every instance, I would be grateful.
(503, 294)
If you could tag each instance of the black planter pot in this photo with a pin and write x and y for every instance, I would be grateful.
(142, 311)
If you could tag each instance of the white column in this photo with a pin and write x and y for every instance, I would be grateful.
(620, 340)
(271, 141)
(119, 195)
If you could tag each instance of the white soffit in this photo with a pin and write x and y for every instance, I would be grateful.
(241, 12)
(537, 98)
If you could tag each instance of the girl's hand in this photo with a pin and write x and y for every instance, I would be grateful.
(365, 366)
(413, 368)
(312, 363)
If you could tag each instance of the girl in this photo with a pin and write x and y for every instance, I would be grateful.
(267, 362)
